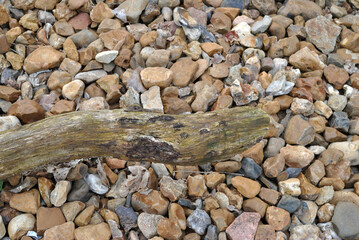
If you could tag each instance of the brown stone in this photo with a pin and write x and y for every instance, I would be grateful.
(85, 216)
(265, 232)
(4, 15)
(175, 105)
(270, 196)
(196, 186)
(222, 218)
(315, 172)
(100, 12)
(339, 170)
(221, 22)
(284, 101)
(336, 183)
(154, 202)
(336, 75)
(70, 49)
(306, 60)
(183, 71)
(273, 166)
(63, 231)
(80, 21)
(278, 218)
(115, 163)
(107, 215)
(214, 178)
(27, 111)
(245, 186)
(219, 70)
(255, 152)
(43, 58)
(315, 85)
(177, 213)
(211, 48)
(297, 156)
(27, 202)
(58, 79)
(156, 76)
(47, 218)
(299, 131)
(333, 135)
(9, 93)
(169, 229)
(233, 195)
(115, 39)
(71, 209)
(124, 57)
(318, 123)
(96, 231)
(148, 38)
(308, 190)
(255, 205)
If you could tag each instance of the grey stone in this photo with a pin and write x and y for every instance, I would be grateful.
(279, 87)
(262, 25)
(95, 184)
(80, 191)
(340, 121)
(91, 76)
(273, 146)
(346, 220)
(212, 233)
(127, 216)
(199, 221)
(147, 223)
(83, 38)
(337, 102)
(303, 232)
(251, 168)
(9, 122)
(289, 203)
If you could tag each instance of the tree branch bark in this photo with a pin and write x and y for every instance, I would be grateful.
(134, 136)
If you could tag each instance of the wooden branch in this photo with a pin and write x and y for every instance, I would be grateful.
(136, 136)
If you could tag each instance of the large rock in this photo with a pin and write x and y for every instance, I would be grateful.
(20, 225)
(28, 202)
(322, 33)
(350, 150)
(346, 220)
(305, 8)
(43, 58)
(299, 131)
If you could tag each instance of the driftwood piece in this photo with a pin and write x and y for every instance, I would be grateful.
(135, 136)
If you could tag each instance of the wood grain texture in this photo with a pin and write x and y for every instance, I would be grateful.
(135, 136)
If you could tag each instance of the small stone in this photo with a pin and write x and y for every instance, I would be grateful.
(20, 225)
(43, 58)
(205, 96)
(47, 218)
(297, 156)
(133, 9)
(246, 186)
(307, 212)
(337, 102)
(273, 147)
(289, 203)
(255, 205)
(196, 186)
(156, 76)
(278, 218)
(325, 195)
(262, 25)
(71, 209)
(349, 149)
(251, 168)
(274, 165)
(100, 12)
(336, 76)
(177, 213)
(198, 220)
(148, 223)
(325, 212)
(299, 131)
(169, 229)
(85, 216)
(302, 106)
(184, 71)
(153, 202)
(106, 56)
(95, 103)
(222, 218)
(211, 48)
(65, 230)
(73, 90)
(59, 194)
(28, 202)
(151, 100)
(306, 60)
(265, 232)
(27, 111)
(304, 8)
(315, 85)
(244, 226)
(9, 122)
(96, 231)
(340, 121)
(91, 76)
(173, 189)
(290, 186)
(305, 232)
(279, 87)
(322, 33)
(4, 15)
(308, 190)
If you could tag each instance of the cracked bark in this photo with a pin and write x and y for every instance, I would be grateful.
(133, 136)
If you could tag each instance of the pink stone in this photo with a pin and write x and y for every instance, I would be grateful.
(242, 18)
(244, 227)
(80, 21)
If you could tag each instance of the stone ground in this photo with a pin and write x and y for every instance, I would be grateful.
(295, 59)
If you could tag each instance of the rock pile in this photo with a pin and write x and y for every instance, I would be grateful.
(296, 60)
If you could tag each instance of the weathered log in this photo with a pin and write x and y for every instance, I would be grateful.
(135, 136)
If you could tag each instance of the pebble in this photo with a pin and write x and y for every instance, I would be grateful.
(27, 111)
(96, 231)
(305, 231)
(262, 25)
(151, 100)
(245, 186)
(290, 186)
(59, 195)
(345, 219)
(173, 189)
(299, 131)
(90, 76)
(73, 90)
(289, 203)
(297, 156)
(106, 56)
(278, 218)
(337, 102)
(95, 183)
(148, 223)
(169, 229)
(251, 168)
(2, 228)
(43, 58)
(9, 122)
(244, 226)
(27, 202)
(147, 202)
(65, 230)
(19, 225)
(199, 220)
(156, 76)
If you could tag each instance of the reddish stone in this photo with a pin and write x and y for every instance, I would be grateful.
(301, 93)
(244, 227)
(80, 21)
(315, 85)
